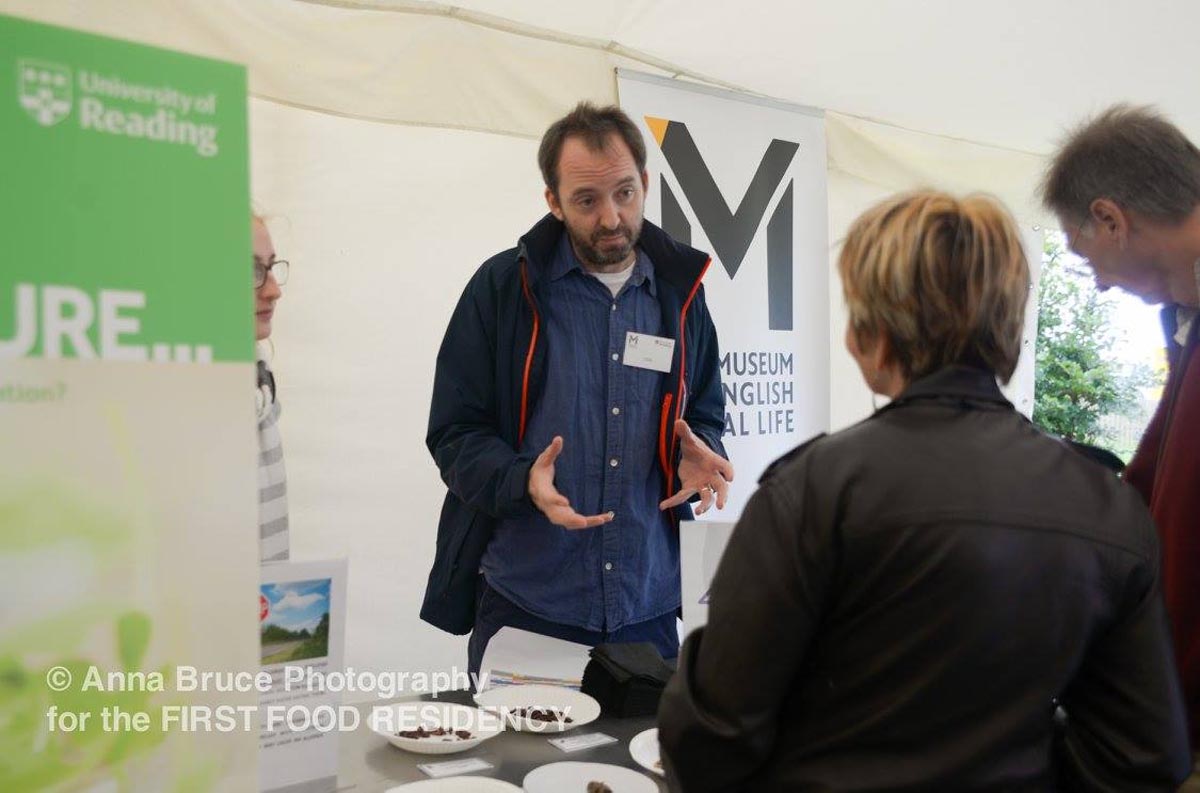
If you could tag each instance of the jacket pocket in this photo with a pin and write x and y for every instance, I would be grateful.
(456, 523)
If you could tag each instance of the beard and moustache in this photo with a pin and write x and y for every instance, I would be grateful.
(605, 248)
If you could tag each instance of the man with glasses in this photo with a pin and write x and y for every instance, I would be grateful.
(1126, 187)
(269, 274)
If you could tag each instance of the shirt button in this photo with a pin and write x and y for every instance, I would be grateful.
(615, 356)
(614, 462)
(608, 565)
(614, 306)
(616, 411)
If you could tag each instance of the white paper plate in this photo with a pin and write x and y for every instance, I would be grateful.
(387, 720)
(645, 751)
(580, 708)
(564, 777)
(457, 784)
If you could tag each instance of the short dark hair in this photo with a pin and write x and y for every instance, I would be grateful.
(1130, 155)
(594, 125)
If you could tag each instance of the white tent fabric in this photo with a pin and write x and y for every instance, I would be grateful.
(1007, 74)
(893, 158)
(415, 64)
(393, 149)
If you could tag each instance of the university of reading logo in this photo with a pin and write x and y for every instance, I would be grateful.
(731, 232)
(44, 90)
(109, 104)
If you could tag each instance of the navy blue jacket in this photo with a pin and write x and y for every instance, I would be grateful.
(490, 373)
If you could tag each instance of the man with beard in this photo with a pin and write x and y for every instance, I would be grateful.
(577, 407)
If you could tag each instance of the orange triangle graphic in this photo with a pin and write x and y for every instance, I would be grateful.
(658, 126)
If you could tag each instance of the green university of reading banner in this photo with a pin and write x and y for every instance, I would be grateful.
(124, 203)
(128, 501)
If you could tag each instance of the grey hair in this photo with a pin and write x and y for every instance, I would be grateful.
(1132, 156)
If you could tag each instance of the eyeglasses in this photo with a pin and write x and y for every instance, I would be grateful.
(277, 268)
(1073, 238)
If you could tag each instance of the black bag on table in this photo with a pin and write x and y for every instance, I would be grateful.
(626, 679)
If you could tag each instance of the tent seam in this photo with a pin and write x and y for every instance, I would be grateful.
(422, 8)
(391, 120)
(504, 25)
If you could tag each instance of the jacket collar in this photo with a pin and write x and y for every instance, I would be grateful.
(964, 383)
(679, 265)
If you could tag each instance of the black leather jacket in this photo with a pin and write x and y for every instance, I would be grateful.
(903, 602)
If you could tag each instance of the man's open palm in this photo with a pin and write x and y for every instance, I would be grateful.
(553, 504)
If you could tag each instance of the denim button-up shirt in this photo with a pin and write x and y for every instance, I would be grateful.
(627, 570)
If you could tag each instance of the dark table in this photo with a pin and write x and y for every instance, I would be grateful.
(369, 764)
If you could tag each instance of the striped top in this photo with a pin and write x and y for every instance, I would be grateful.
(272, 480)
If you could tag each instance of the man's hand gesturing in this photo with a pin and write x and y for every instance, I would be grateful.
(553, 504)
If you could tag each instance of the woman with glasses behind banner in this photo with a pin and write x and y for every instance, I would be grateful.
(269, 274)
(903, 602)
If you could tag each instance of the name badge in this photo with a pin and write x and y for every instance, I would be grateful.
(455, 767)
(648, 352)
(578, 743)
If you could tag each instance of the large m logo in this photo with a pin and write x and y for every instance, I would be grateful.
(731, 232)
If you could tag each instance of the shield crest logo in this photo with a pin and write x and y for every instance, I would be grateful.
(44, 90)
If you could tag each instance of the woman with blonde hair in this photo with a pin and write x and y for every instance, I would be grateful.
(903, 603)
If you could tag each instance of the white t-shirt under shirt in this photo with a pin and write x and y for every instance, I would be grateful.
(614, 281)
(1186, 315)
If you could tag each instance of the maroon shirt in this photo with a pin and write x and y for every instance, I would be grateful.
(1166, 471)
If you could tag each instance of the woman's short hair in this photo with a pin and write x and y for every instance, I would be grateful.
(943, 279)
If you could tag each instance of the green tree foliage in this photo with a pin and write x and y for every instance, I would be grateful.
(275, 633)
(1077, 380)
(318, 645)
